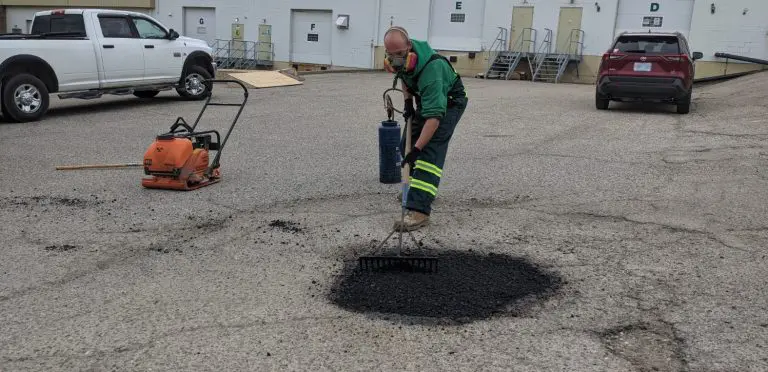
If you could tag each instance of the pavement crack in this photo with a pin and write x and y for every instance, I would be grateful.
(587, 158)
(713, 133)
(618, 218)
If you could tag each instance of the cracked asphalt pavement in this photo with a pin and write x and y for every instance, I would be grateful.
(655, 222)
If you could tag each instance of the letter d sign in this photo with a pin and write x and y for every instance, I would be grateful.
(654, 7)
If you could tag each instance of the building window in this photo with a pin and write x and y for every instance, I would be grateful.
(312, 37)
(457, 17)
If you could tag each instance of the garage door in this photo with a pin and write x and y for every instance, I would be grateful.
(658, 15)
(311, 36)
(456, 25)
(200, 23)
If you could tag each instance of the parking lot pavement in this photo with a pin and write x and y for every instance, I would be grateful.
(628, 239)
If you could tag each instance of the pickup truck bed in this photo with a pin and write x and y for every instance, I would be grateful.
(86, 53)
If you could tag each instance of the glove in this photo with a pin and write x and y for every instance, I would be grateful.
(408, 110)
(411, 157)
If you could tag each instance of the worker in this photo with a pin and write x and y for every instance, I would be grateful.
(430, 80)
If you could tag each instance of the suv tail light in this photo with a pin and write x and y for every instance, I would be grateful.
(57, 12)
(609, 57)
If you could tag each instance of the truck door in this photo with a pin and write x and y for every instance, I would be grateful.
(122, 53)
(162, 57)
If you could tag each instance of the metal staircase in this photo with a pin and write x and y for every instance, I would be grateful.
(243, 55)
(550, 67)
(497, 57)
(544, 50)
(503, 62)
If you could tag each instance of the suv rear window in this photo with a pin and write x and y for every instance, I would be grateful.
(648, 44)
(58, 23)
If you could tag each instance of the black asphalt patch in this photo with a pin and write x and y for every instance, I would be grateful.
(288, 226)
(467, 287)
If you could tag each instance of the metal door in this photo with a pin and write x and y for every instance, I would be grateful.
(162, 57)
(570, 19)
(122, 54)
(200, 23)
(311, 36)
(522, 18)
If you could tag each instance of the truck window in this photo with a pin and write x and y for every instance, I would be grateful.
(116, 27)
(58, 23)
(148, 29)
(648, 44)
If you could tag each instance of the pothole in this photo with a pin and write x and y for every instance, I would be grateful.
(649, 347)
(467, 287)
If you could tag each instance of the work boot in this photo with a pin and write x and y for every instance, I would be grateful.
(414, 220)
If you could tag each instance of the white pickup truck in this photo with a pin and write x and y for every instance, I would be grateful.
(86, 53)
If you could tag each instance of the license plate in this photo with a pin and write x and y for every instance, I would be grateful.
(643, 66)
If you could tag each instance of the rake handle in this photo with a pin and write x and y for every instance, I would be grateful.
(97, 166)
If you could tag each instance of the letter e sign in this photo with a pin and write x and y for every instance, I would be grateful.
(654, 7)
(458, 5)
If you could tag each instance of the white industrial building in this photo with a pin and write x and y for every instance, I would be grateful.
(348, 33)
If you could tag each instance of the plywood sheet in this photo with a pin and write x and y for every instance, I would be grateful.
(264, 79)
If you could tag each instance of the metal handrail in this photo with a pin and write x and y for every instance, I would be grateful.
(531, 40)
(499, 44)
(541, 54)
(244, 54)
(579, 41)
(564, 57)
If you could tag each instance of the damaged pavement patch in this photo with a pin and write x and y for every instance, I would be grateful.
(467, 287)
(649, 347)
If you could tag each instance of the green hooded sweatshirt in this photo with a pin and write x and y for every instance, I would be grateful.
(435, 81)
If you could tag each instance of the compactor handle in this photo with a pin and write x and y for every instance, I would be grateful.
(180, 122)
(245, 89)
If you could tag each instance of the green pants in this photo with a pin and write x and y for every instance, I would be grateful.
(428, 170)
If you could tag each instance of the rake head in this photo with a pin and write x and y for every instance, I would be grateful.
(418, 264)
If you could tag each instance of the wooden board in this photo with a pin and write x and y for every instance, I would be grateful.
(264, 79)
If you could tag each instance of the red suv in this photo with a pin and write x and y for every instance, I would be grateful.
(657, 67)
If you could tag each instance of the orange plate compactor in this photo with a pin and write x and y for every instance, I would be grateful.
(179, 159)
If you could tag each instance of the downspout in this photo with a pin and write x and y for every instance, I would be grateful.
(375, 34)
(615, 21)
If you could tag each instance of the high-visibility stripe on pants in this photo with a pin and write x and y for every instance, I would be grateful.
(424, 186)
(429, 167)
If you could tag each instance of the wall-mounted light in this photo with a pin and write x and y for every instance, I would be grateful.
(597, 7)
(237, 20)
(712, 8)
(745, 11)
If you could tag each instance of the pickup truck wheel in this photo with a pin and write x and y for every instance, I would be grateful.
(192, 86)
(25, 98)
(146, 93)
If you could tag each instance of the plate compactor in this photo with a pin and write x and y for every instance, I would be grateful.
(179, 159)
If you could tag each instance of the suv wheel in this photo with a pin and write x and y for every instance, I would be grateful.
(25, 98)
(601, 102)
(192, 85)
(684, 105)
